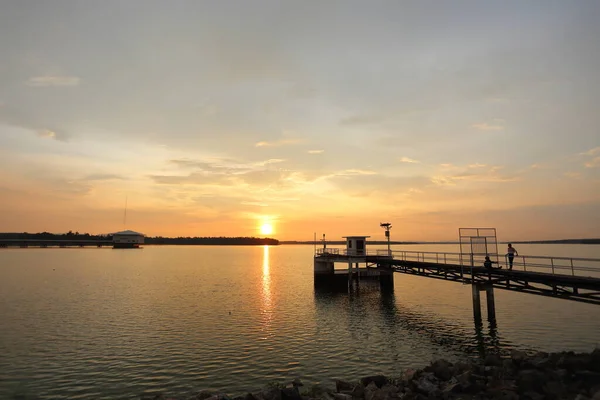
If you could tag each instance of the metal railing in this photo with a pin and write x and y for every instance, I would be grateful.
(574, 266)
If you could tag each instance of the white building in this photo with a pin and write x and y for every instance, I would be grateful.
(127, 239)
(356, 245)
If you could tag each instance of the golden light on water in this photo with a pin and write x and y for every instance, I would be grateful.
(267, 307)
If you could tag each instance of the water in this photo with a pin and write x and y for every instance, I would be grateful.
(106, 324)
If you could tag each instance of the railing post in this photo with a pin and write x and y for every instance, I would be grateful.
(572, 269)
(445, 259)
(552, 262)
(437, 261)
(524, 266)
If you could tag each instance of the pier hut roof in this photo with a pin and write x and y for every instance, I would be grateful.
(128, 233)
(356, 237)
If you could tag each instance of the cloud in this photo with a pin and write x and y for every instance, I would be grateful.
(277, 143)
(47, 81)
(574, 175)
(362, 120)
(484, 174)
(315, 151)
(103, 177)
(593, 163)
(483, 126)
(477, 165)
(591, 152)
(46, 133)
(409, 160)
(270, 161)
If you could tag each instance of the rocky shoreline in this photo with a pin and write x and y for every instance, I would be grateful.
(565, 375)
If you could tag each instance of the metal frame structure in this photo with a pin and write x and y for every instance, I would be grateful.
(475, 244)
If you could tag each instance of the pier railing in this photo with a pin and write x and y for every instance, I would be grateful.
(574, 266)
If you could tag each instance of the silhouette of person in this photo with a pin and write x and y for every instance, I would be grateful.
(511, 252)
(488, 263)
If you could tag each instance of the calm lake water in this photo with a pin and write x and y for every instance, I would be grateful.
(106, 324)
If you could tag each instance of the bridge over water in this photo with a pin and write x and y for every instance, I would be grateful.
(568, 278)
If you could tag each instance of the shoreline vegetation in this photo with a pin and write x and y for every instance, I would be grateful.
(148, 240)
(519, 375)
(252, 241)
(564, 375)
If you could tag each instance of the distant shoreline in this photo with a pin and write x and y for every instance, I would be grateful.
(381, 242)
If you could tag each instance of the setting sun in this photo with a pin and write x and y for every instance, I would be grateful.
(266, 229)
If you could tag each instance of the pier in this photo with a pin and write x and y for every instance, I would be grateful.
(44, 243)
(568, 278)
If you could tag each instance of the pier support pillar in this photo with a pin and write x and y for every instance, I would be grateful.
(491, 305)
(476, 303)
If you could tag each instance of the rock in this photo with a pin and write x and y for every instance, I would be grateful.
(221, 396)
(268, 393)
(342, 396)
(343, 386)
(358, 392)
(581, 397)
(492, 360)
(518, 356)
(204, 394)
(596, 395)
(290, 394)
(408, 375)
(389, 391)
(530, 380)
(371, 392)
(427, 384)
(442, 369)
(533, 396)
(379, 380)
(250, 396)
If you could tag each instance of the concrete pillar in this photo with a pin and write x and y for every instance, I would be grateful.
(491, 305)
(476, 303)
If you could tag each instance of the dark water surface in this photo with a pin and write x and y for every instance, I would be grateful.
(106, 324)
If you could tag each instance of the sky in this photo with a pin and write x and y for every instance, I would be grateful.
(213, 118)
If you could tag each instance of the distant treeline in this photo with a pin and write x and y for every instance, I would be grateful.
(252, 241)
(562, 241)
(224, 241)
(339, 242)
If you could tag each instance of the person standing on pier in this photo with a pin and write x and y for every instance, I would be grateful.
(511, 252)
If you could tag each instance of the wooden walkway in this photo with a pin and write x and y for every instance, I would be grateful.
(576, 279)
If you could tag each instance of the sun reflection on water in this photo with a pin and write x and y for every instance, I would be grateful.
(267, 306)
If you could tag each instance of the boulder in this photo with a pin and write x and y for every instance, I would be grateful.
(343, 386)
(268, 393)
(442, 369)
(531, 380)
(518, 356)
(427, 384)
(204, 394)
(371, 392)
(342, 396)
(290, 394)
(379, 380)
(358, 392)
(492, 360)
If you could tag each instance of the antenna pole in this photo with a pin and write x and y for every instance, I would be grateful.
(125, 214)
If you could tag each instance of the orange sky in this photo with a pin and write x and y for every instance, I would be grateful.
(213, 125)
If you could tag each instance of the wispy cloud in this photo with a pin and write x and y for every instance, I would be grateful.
(574, 175)
(277, 143)
(591, 152)
(269, 161)
(476, 165)
(409, 160)
(595, 163)
(46, 133)
(484, 126)
(46, 81)
(315, 151)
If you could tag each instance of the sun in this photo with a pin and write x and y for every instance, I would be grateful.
(266, 229)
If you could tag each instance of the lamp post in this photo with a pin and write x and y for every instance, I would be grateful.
(387, 226)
